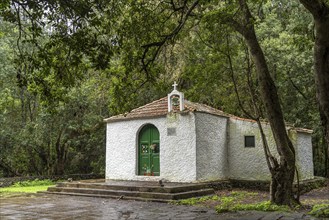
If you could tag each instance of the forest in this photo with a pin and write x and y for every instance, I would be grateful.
(67, 65)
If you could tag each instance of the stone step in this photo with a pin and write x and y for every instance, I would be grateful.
(145, 188)
(108, 196)
(134, 194)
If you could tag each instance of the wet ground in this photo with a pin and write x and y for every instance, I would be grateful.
(40, 206)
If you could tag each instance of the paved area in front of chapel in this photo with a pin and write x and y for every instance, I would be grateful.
(42, 206)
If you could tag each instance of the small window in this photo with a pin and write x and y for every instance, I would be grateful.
(249, 141)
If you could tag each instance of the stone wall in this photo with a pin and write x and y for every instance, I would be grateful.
(304, 185)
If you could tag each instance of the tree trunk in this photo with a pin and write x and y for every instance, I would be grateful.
(284, 171)
(320, 11)
(60, 154)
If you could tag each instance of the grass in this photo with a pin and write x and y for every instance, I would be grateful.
(26, 187)
(195, 200)
(241, 200)
(320, 210)
(260, 206)
(231, 201)
(244, 200)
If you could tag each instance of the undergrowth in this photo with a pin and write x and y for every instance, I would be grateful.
(195, 200)
(235, 201)
(231, 205)
(320, 210)
(35, 182)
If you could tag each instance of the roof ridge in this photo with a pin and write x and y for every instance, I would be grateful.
(148, 104)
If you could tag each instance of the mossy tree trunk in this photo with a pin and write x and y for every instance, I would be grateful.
(320, 12)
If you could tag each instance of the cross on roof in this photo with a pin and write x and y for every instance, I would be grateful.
(175, 85)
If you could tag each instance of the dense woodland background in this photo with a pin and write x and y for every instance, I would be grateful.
(67, 65)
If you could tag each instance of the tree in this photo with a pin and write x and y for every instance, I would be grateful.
(48, 127)
(282, 171)
(320, 12)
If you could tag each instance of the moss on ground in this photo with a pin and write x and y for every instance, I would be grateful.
(320, 210)
(241, 200)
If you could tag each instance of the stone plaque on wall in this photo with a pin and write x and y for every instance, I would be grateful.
(171, 131)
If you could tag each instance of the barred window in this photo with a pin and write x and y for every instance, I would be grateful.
(249, 141)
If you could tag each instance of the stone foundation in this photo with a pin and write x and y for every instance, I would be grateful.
(304, 186)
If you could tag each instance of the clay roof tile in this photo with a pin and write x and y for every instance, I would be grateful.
(159, 108)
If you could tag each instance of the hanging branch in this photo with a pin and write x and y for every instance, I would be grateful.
(159, 44)
(297, 89)
(271, 161)
(228, 55)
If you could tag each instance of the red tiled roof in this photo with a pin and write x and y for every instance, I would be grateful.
(160, 108)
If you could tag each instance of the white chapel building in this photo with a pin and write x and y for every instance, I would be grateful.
(176, 140)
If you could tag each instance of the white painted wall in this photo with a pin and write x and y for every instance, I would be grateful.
(177, 153)
(211, 146)
(304, 156)
(250, 163)
(206, 147)
(247, 163)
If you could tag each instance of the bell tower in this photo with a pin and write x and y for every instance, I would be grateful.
(175, 100)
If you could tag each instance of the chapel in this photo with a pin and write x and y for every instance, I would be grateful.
(176, 140)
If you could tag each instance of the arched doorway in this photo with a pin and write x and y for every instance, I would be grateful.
(149, 151)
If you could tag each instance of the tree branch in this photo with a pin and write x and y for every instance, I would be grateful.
(297, 89)
(317, 8)
(167, 37)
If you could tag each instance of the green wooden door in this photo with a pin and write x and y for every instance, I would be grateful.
(149, 151)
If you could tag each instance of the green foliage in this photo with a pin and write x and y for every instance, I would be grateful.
(320, 210)
(226, 203)
(195, 200)
(14, 191)
(242, 194)
(35, 182)
(233, 202)
(31, 186)
(226, 200)
(262, 206)
(229, 205)
(62, 133)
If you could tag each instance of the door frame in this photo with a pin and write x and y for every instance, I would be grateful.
(138, 150)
